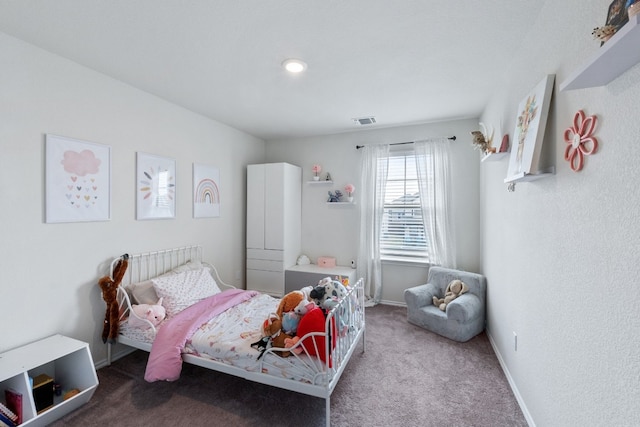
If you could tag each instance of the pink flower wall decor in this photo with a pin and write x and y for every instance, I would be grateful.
(580, 141)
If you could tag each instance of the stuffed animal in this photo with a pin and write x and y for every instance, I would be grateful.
(314, 321)
(290, 342)
(109, 288)
(328, 293)
(455, 288)
(154, 313)
(289, 302)
(284, 317)
(290, 322)
(303, 307)
(334, 197)
(272, 327)
(307, 291)
(291, 318)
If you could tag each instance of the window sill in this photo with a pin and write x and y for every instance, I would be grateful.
(406, 261)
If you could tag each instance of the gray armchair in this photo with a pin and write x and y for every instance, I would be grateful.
(464, 317)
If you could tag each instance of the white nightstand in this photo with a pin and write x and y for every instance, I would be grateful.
(299, 276)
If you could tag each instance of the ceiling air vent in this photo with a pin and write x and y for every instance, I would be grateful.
(363, 121)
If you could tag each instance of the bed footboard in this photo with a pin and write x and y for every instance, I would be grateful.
(344, 326)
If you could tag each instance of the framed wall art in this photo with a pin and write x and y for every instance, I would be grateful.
(206, 191)
(77, 180)
(155, 187)
(617, 13)
(531, 121)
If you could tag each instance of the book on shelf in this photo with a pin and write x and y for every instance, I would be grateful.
(7, 417)
(14, 403)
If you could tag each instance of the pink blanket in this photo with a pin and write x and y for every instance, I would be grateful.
(165, 361)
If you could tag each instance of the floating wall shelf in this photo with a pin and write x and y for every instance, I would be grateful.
(320, 182)
(616, 56)
(525, 177)
(494, 157)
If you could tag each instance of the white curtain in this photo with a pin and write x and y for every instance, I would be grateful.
(433, 166)
(373, 180)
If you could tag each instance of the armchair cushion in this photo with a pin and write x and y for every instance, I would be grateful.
(423, 295)
(464, 317)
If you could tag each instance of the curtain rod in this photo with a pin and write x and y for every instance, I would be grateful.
(452, 138)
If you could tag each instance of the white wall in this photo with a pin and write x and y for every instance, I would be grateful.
(561, 254)
(333, 230)
(49, 272)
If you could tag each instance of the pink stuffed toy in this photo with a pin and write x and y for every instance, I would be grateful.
(290, 342)
(154, 313)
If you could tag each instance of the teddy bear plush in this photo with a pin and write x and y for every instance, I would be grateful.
(289, 302)
(455, 288)
(154, 313)
(272, 327)
(109, 286)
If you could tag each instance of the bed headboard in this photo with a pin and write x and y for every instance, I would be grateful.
(147, 265)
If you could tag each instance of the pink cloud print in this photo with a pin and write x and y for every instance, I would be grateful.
(82, 163)
(80, 191)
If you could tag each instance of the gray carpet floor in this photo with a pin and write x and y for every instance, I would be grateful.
(407, 377)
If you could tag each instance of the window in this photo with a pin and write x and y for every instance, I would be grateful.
(402, 236)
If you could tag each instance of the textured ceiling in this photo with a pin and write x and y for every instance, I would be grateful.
(404, 62)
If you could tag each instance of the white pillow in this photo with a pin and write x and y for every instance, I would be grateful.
(181, 290)
(189, 265)
(144, 293)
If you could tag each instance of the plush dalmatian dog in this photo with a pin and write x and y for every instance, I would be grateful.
(328, 293)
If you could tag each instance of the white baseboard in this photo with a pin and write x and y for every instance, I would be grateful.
(119, 355)
(512, 384)
(396, 303)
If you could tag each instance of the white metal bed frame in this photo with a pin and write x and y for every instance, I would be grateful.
(319, 379)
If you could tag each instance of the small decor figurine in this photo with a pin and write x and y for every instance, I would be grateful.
(580, 141)
(349, 188)
(483, 140)
(334, 198)
(328, 178)
(504, 146)
(603, 33)
(316, 170)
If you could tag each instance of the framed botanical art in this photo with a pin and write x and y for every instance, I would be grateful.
(531, 121)
(155, 187)
(206, 191)
(77, 180)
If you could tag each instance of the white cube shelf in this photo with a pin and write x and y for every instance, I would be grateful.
(66, 360)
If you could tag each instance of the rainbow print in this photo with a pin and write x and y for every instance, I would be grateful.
(207, 192)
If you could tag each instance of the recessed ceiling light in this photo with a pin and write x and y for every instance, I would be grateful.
(294, 65)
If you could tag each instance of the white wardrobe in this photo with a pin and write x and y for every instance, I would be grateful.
(274, 197)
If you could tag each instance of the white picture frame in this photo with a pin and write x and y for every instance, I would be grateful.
(531, 121)
(77, 180)
(155, 187)
(206, 191)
